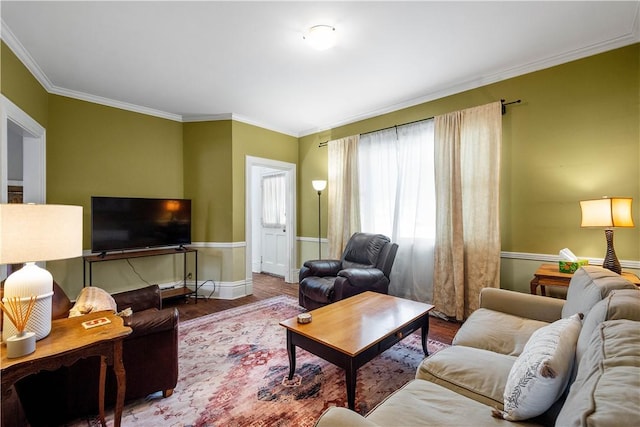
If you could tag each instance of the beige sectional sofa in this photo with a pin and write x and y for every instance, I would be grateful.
(494, 373)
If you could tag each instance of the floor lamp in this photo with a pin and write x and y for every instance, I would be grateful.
(319, 185)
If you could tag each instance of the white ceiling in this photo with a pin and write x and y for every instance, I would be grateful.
(248, 60)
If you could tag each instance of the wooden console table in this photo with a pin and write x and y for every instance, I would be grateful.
(550, 275)
(67, 343)
(168, 293)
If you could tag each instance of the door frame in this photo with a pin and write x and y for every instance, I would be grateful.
(290, 171)
(35, 159)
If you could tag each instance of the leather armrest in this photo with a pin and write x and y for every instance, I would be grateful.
(536, 307)
(139, 299)
(153, 321)
(361, 277)
(321, 268)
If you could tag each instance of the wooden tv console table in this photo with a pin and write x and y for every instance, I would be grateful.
(167, 293)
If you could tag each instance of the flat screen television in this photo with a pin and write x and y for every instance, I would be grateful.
(127, 223)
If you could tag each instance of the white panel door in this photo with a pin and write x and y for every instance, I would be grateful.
(274, 250)
(274, 220)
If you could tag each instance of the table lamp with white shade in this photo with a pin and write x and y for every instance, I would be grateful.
(30, 233)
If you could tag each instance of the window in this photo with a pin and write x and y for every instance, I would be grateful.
(273, 201)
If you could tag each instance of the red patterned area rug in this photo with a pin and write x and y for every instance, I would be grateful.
(233, 368)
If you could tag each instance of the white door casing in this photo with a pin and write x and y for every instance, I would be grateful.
(288, 243)
(34, 155)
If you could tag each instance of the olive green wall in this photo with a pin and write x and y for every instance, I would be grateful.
(249, 140)
(214, 169)
(207, 179)
(575, 136)
(19, 85)
(94, 150)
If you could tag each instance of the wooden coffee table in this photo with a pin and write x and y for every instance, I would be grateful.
(351, 332)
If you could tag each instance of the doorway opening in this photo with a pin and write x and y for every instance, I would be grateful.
(275, 246)
(22, 160)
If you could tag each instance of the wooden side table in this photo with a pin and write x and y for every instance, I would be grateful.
(67, 343)
(550, 275)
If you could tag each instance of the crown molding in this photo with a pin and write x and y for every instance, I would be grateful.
(633, 36)
(238, 118)
(113, 103)
(24, 56)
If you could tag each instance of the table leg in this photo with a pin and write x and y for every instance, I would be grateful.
(291, 351)
(351, 374)
(534, 285)
(101, 386)
(424, 333)
(118, 369)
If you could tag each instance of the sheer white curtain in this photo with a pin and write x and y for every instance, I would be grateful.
(397, 198)
(273, 201)
(343, 199)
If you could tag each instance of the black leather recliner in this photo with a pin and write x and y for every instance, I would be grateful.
(365, 266)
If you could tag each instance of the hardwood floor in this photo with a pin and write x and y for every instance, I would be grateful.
(265, 286)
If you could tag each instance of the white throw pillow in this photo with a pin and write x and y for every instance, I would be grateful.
(540, 374)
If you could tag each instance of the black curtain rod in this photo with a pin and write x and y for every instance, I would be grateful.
(324, 143)
(502, 101)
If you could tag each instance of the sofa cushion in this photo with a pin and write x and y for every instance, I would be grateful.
(605, 392)
(423, 403)
(589, 285)
(472, 372)
(495, 331)
(619, 304)
(540, 374)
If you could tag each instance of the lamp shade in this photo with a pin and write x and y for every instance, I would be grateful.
(319, 184)
(607, 212)
(31, 233)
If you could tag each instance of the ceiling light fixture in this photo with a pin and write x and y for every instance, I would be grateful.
(321, 37)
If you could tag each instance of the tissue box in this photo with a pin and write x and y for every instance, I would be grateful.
(572, 266)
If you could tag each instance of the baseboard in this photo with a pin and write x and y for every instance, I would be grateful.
(223, 290)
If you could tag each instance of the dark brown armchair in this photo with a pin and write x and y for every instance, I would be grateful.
(150, 356)
(365, 266)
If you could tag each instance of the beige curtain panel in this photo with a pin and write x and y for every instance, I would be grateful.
(344, 199)
(467, 163)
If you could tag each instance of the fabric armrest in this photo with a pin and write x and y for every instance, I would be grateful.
(535, 307)
(139, 299)
(343, 417)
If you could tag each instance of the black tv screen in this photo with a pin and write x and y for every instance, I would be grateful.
(121, 223)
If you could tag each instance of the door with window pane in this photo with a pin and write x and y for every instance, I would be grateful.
(274, 231)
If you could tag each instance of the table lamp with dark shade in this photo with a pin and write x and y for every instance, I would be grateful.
(608, 213)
